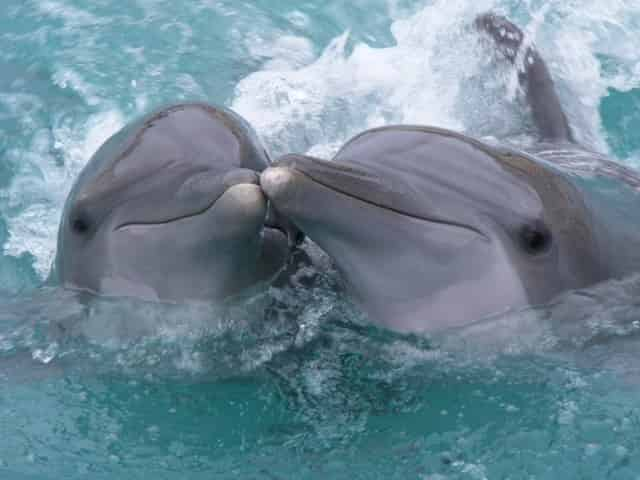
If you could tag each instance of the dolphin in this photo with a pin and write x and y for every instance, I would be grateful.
(169, 208)
(433, 229)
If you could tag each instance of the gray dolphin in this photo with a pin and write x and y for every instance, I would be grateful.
(169, 208)
(433, 229)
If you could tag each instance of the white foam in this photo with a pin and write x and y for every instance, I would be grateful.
(42, 185)
(67, 78)
(322, 104)
(437, 74)
(286, 52)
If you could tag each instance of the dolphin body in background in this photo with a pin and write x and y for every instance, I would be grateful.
(169, 208)
(433, 229)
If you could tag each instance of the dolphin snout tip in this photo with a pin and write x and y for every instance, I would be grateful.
(240, 211)
(275, 181)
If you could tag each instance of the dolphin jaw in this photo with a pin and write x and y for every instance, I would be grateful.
(242, 206)
(279, 183)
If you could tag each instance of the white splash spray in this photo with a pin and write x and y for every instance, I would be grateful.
(439, 73)
(45, 183)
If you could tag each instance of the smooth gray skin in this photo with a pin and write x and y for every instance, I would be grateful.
(433, 230)
(169, 208)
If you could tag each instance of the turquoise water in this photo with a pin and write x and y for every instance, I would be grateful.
(108, 389)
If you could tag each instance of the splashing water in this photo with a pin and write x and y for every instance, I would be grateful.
(111, 389)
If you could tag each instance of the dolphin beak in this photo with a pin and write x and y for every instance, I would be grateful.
(349, 179)
(313, 191)
(241, 208)
(277, 181)
(302, 187)
(305, 202)
(291, 192)
(240, 211)
(237, 192)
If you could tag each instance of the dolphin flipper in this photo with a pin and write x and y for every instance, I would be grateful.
(548, 115)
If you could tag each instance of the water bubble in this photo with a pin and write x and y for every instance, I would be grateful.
(567, 413)
(298, 19)
(45, 356)
(591, 449)
(476, 472)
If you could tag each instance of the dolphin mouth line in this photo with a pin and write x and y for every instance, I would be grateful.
(167, 221)
(125, 225)
(434, 220)
(177, 219)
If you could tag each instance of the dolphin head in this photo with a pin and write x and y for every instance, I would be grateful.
(170, 209)
(433, 230)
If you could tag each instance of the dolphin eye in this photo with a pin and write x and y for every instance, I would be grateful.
(535, 238)
(80, 225)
